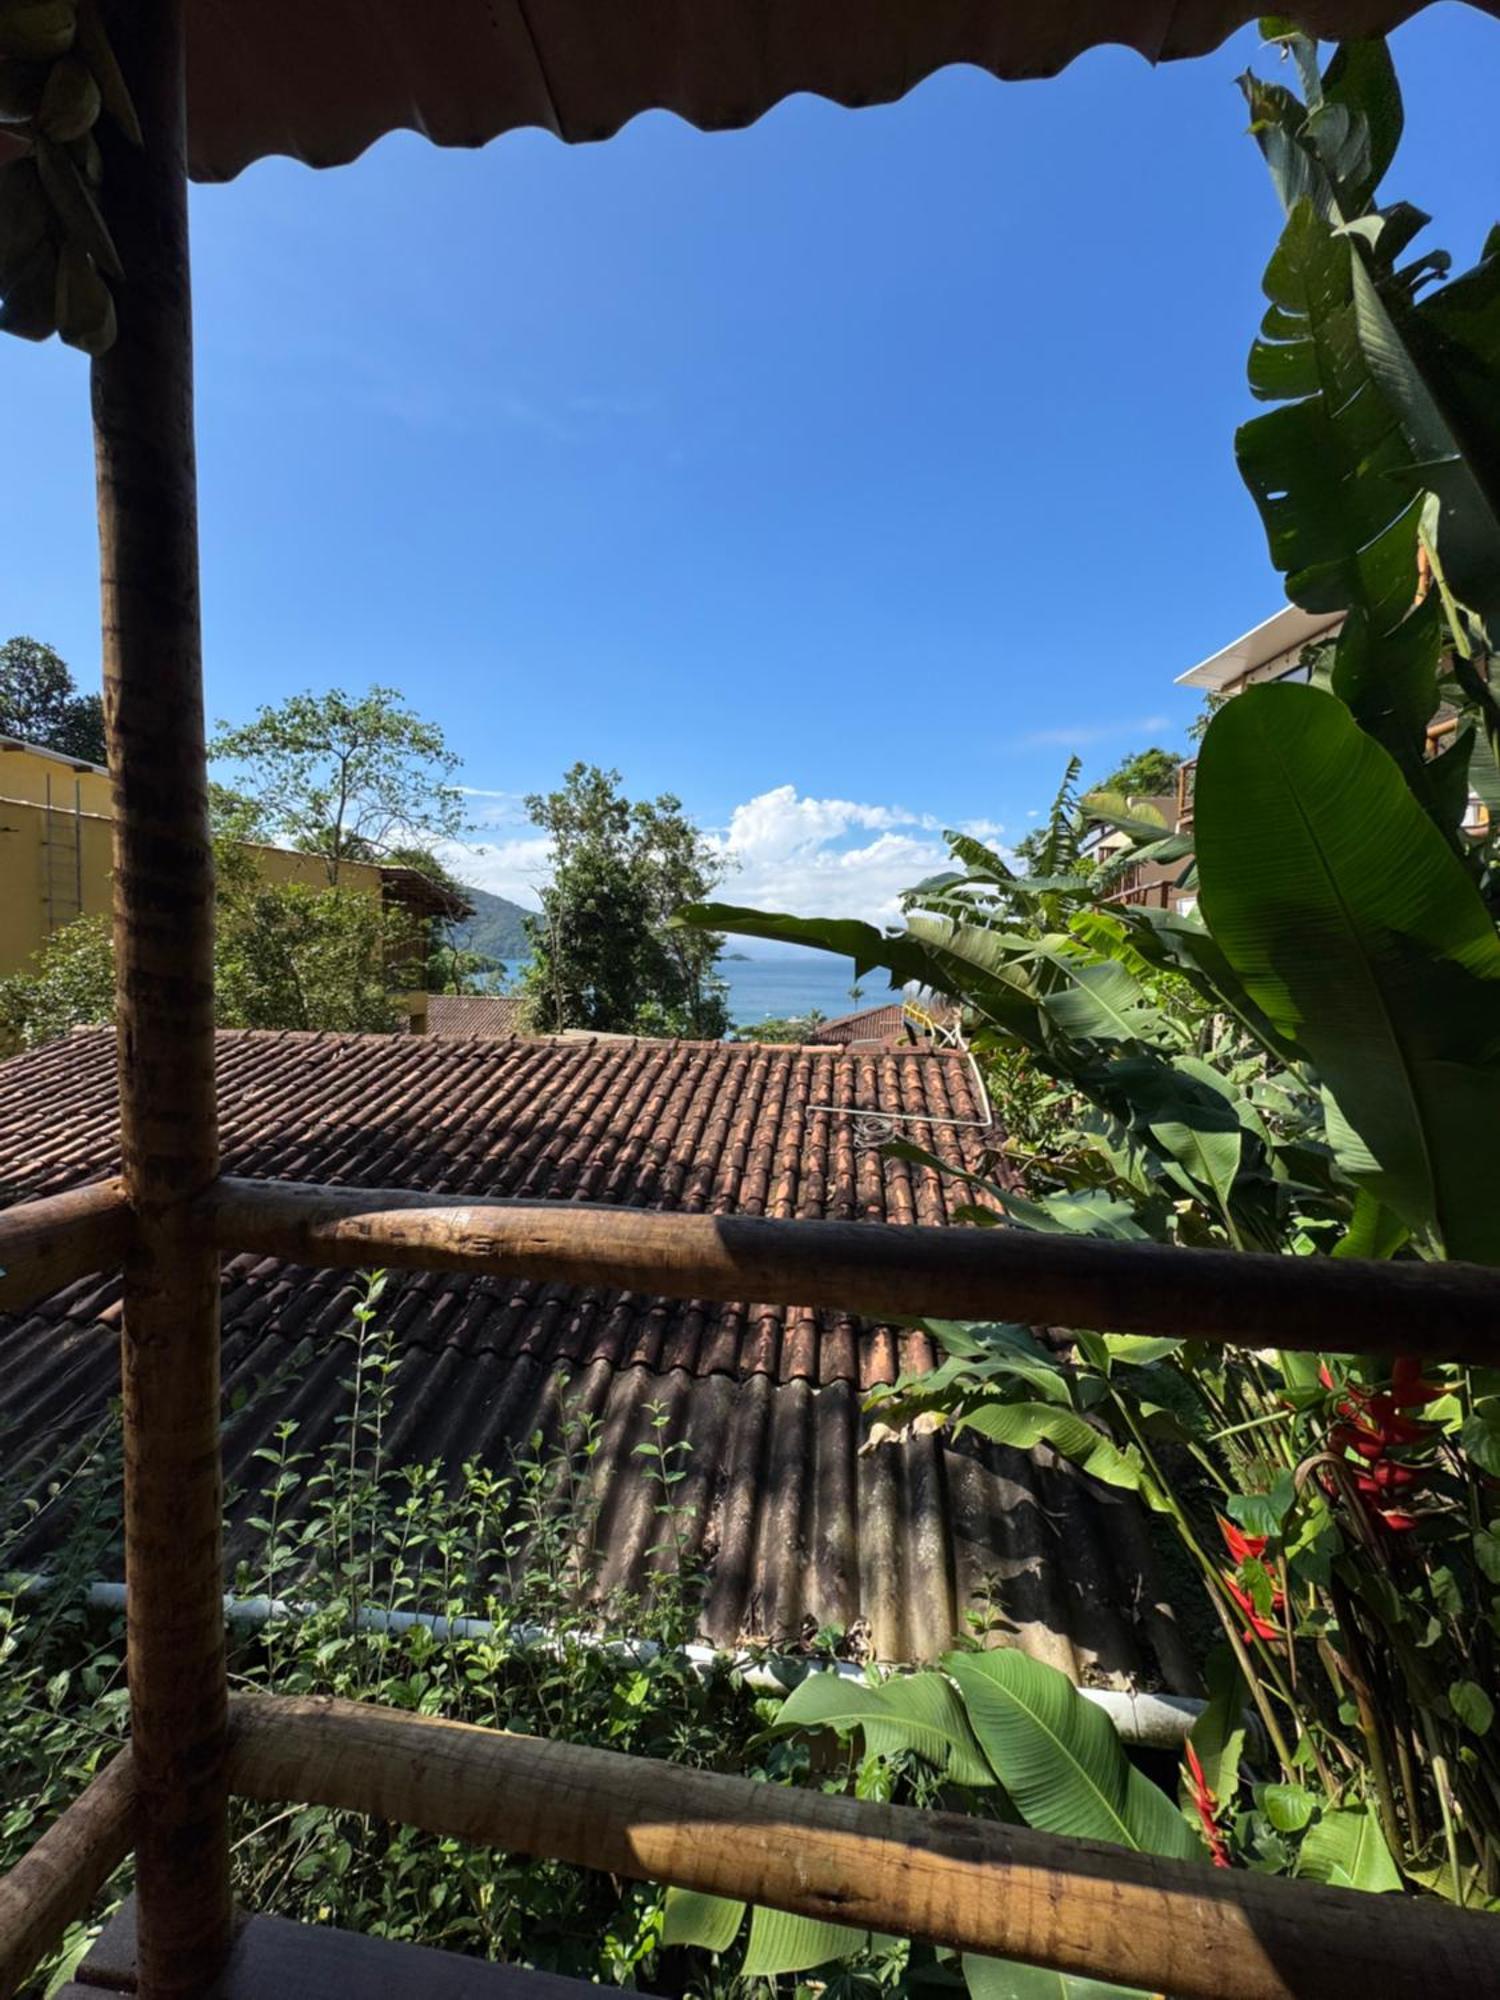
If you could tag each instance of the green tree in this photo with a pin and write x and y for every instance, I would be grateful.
(291, 956)
(605, 953)
(342, 776)
(70, 984)
(452, 967)
(1146, 775)
(793, 1028)
(40, 703)
(286, 955)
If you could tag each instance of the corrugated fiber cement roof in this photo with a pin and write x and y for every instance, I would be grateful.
(796, 1527)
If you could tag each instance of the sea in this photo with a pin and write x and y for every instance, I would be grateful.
(771, 989)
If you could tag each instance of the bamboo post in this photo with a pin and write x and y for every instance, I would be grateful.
(977, 1885)
(1439, 1311)
(163, 900)
(57, 1879)
(48, 1243)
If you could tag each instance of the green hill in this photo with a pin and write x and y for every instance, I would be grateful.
(497, 927)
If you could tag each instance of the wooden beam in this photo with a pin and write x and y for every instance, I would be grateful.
(56, 1881)
(163, 903)
(977, 1885)
(48, 1243)
(1438, 1311)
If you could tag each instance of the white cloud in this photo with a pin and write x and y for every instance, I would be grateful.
(515, 869)
(788, 851)
(784, 850)
(1079, 735)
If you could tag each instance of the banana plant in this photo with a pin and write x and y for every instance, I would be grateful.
(1378, 473)
(1364, 940)
(996, 1731)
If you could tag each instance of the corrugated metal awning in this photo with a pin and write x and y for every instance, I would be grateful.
(322, 82)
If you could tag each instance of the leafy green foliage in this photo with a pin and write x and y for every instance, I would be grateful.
(1360, 934)
(70, 983)
(1016, 1729)
(40, 704)
(1058, 1757)
(1146, 775)
(606, 953)
(783, 1028)
(342, 776)
(286, 955)
(1348, 1849)
(353, 1531)
(1004, 1979)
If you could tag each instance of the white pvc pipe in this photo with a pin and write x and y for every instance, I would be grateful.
(1146, 1721)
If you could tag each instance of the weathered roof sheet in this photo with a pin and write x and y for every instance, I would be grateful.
(892, 1026)
(798, 1529)
(322, 82)
(496, 1016)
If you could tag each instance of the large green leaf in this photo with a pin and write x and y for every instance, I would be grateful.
(1025, 1425)
(779, 1941)
(1099, 1002)
(1358, 932)
(1325, 465)
(1218, 1735)
(916, 1712)
(710, 1922)
(1059, 1758)
(1348, 1849)
(1008, 1979)
(848, 938)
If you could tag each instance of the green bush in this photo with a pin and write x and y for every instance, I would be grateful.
(348, 1534)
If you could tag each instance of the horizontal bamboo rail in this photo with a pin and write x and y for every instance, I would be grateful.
(48, 1243)
(976, 1885)
(55, 1881)
(1438, 1311)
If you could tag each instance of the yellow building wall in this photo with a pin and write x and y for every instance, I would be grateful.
(38, 775)
(54, 866)
(55, 861)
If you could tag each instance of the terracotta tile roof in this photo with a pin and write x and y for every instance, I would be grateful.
(799, 1529)
(885, 1026)
(890, 1026)
(494, 1015)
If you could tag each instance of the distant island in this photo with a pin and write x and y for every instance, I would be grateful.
(497, 928)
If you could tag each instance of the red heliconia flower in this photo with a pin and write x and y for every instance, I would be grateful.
(1256, 1627)
(1207, 1807)
(1241, 1546)
(1373, 1425)
(1407, 1386)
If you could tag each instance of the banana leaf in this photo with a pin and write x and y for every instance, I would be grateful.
(916, 1712)
(1059, 1758)
(1008, 1979)
(1348, 1849)
(1358, 932)
(1025, 1425)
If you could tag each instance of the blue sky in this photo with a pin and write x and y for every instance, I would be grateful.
(840, 475)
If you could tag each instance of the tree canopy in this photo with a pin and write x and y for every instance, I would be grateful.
(286, 955)
(342, 776)
(1146, 775)
(605, 954)
(40, 702)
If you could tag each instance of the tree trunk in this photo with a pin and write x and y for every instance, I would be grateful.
(163, 899)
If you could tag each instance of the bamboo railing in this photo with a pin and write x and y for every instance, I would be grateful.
(977, 1885)
(1079, 1907)
(974, 1885)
